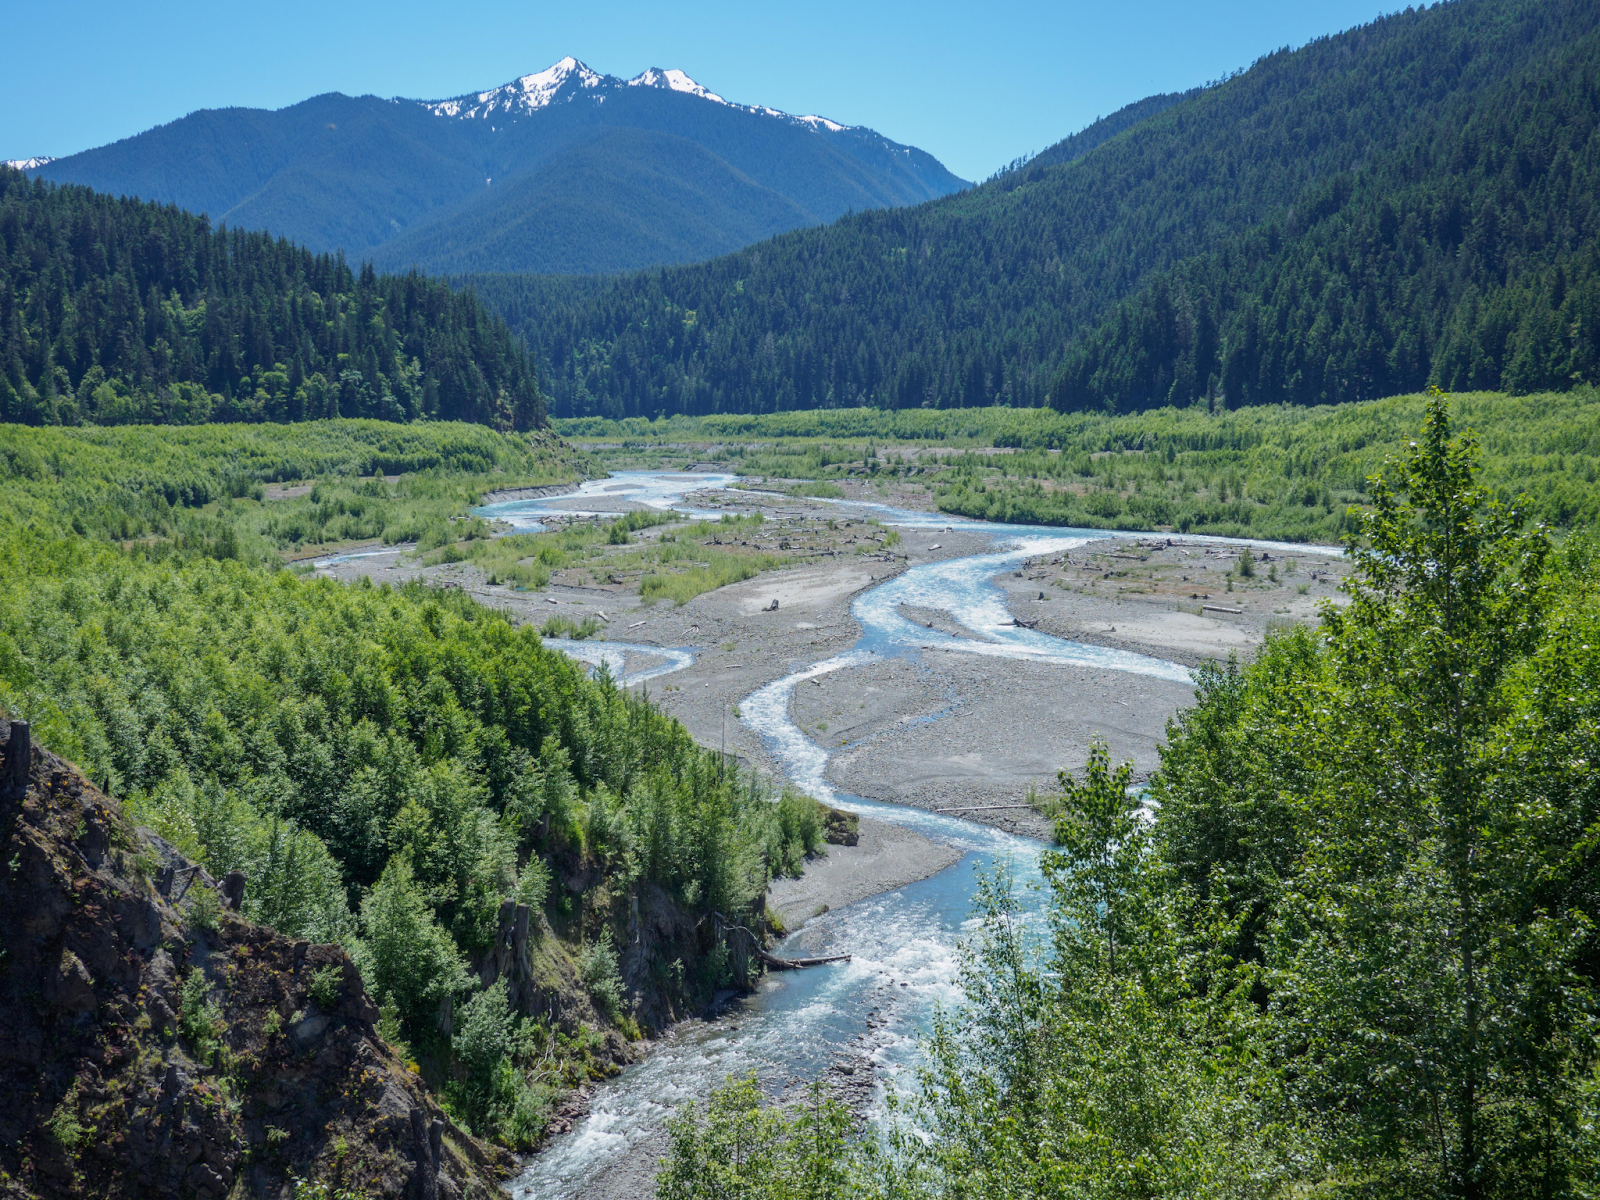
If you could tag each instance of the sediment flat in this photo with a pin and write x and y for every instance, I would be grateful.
(942, 729)
(884, 858)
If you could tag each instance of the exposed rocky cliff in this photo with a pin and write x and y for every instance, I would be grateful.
(153, 1043)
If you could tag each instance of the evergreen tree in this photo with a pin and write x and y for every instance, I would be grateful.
(114, 311)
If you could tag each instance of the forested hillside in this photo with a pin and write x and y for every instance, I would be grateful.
(114, 311)
(975, 298)
(1468, 256)
(396, 770)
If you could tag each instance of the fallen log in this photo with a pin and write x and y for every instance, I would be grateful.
(772, 960)
(1237, 612)
(792, 964)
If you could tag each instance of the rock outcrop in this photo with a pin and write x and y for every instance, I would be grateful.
(153, 1043)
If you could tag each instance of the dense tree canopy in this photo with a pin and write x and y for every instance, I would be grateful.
(114, 311)
(1469, 257)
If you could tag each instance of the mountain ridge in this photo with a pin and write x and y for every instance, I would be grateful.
(356, 173)
(974, 298)
(528, 93)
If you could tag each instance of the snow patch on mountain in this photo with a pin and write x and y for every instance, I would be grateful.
(675, 81)
(29, 164)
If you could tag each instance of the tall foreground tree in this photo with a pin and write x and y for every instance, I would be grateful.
(1425, 980)
(1400, 815)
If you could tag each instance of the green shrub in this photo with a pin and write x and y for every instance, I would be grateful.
(533, 883)
(404, 952)
(563, 626)
(199, 1019)
(326, 987)
(483, 1037)
(65, 1127)
(317, 1189)
(205, 910)
(598, 969)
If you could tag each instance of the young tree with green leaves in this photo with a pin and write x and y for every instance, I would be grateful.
(1084, 1064)
(405, 954)
(1430, 1009)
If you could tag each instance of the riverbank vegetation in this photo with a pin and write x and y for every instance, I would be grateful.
(1354, 953)
(255, 492)
(1279, 472)
(662, 555)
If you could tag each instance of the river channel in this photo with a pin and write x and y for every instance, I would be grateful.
(903, 943)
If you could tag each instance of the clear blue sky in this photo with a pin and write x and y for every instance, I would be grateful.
(974, 83)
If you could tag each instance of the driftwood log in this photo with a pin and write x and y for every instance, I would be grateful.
(772, 960)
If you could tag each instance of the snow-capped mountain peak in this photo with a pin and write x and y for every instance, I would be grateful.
(527, 94)
(28, 164)
(569, 79)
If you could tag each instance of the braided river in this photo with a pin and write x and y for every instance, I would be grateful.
(903, 944)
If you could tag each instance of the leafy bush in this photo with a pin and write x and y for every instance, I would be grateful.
(563, 626)
(740, 1145)
(482, 1042)
(404, 953)
(533, 884)
(720, 570)
(64, 1124)
(205, 910)
(797, 832)
(598, 970)
(199, 1019)
(319, 1189)
(493, 1092)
